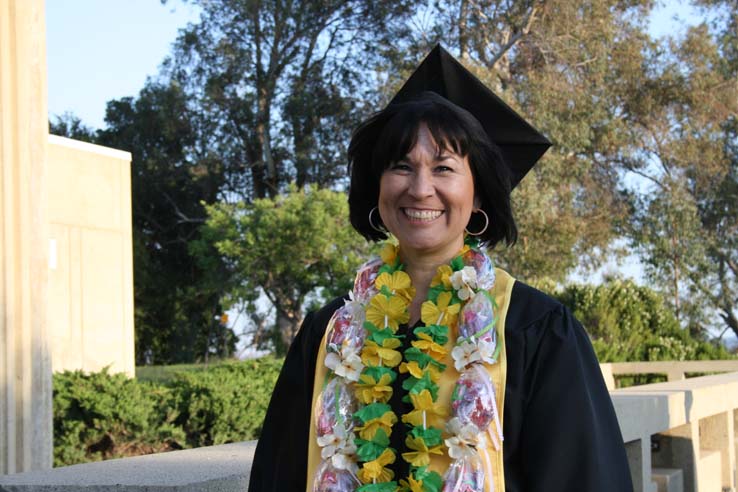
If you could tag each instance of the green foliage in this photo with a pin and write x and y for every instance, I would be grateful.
(276, 85)
(628, 322)
(166, 374)
(225, 403)
(101, 415)
(293, 248)
(176, 298)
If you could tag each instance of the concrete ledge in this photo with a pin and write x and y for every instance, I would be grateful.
(224, 468)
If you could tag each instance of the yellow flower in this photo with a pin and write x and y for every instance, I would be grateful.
(440, 313)
(370, 390)
(389, 254)
(427, 345)
(370, 428)
(412, 484)
(421, 455)
(374, 355)
(443, 276)
(375, 470)
(398, 283)
(383, 312)
(415, 371)
(413, 368)
(424, 405)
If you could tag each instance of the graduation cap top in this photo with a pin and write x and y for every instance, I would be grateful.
(520, 143)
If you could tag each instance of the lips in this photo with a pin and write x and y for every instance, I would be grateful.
(422, 214)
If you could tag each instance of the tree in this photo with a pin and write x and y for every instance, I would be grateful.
(277, 85)
(683, 117)
(295, 249)
(176, 300)
(71, 126)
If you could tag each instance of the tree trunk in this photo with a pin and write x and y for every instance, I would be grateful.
(463, 33)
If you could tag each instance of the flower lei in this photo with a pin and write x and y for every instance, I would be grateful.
(363, 358)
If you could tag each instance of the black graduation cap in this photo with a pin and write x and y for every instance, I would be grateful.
(521, 144)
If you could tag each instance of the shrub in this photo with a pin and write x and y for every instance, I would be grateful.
(100, 415)
(628, 322)
(226, 403)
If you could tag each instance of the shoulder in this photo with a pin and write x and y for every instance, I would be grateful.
(317, 321)
(529, 306)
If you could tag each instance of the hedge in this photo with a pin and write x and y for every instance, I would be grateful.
(101, 415)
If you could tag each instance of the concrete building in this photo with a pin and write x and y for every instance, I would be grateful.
(66, 273)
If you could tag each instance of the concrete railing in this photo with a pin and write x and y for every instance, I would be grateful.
(679, 436)
(673, 370)
(224, 468)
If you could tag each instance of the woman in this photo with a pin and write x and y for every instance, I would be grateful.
(440, 372)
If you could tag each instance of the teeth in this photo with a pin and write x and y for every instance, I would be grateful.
(423, 214)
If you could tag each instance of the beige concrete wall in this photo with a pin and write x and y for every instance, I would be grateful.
(90, 307)
(25, 372)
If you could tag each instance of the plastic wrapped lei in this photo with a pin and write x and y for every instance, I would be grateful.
(353, 419)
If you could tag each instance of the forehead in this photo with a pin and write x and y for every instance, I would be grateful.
(426, 144)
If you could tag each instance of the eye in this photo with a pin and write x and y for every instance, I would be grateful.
(400, 166)
(443, 169)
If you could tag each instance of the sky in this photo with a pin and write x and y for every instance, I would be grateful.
(98, 50)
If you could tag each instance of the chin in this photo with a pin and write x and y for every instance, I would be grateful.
(430, 243)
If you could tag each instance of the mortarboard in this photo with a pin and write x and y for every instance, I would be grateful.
(520, 143)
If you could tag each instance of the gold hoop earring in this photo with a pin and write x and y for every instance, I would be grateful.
(486, 224)
(371, 223)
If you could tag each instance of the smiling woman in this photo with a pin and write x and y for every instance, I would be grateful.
(439, 372)
(426, 199)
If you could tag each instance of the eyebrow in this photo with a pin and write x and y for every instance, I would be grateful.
(441, 155)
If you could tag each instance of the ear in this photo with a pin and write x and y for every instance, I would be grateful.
(477, 202)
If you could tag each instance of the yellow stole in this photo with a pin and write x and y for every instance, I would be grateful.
(498, 372)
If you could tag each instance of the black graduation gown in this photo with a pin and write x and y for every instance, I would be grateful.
(561, 433)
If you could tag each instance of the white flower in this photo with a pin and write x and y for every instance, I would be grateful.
(464, 354)
(339, 447)
(463, 439)
(347, 365)
(356, 309)
(464, 281)
(487, 351)
(343, 461)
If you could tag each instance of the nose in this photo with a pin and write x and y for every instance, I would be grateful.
(422, 184)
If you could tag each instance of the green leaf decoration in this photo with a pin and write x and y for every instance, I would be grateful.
(438, 333)
(423, 359)
(471, 241)
(457, 263)
(424, 383)
(372, 411)
(431, 435)
(432, 481)
(379, 487)
(378, 371)
(433, 292)
(379, 336)
(415, 354)
(388, 269)
(371, 450)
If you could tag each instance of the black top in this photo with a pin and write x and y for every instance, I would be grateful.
(560, 429)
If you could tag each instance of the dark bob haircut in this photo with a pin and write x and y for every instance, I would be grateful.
(389, 135)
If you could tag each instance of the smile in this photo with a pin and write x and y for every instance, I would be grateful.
(424, 215)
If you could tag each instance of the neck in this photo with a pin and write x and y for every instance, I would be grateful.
(422, 269)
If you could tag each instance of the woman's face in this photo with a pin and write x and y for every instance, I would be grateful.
(426, 199)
